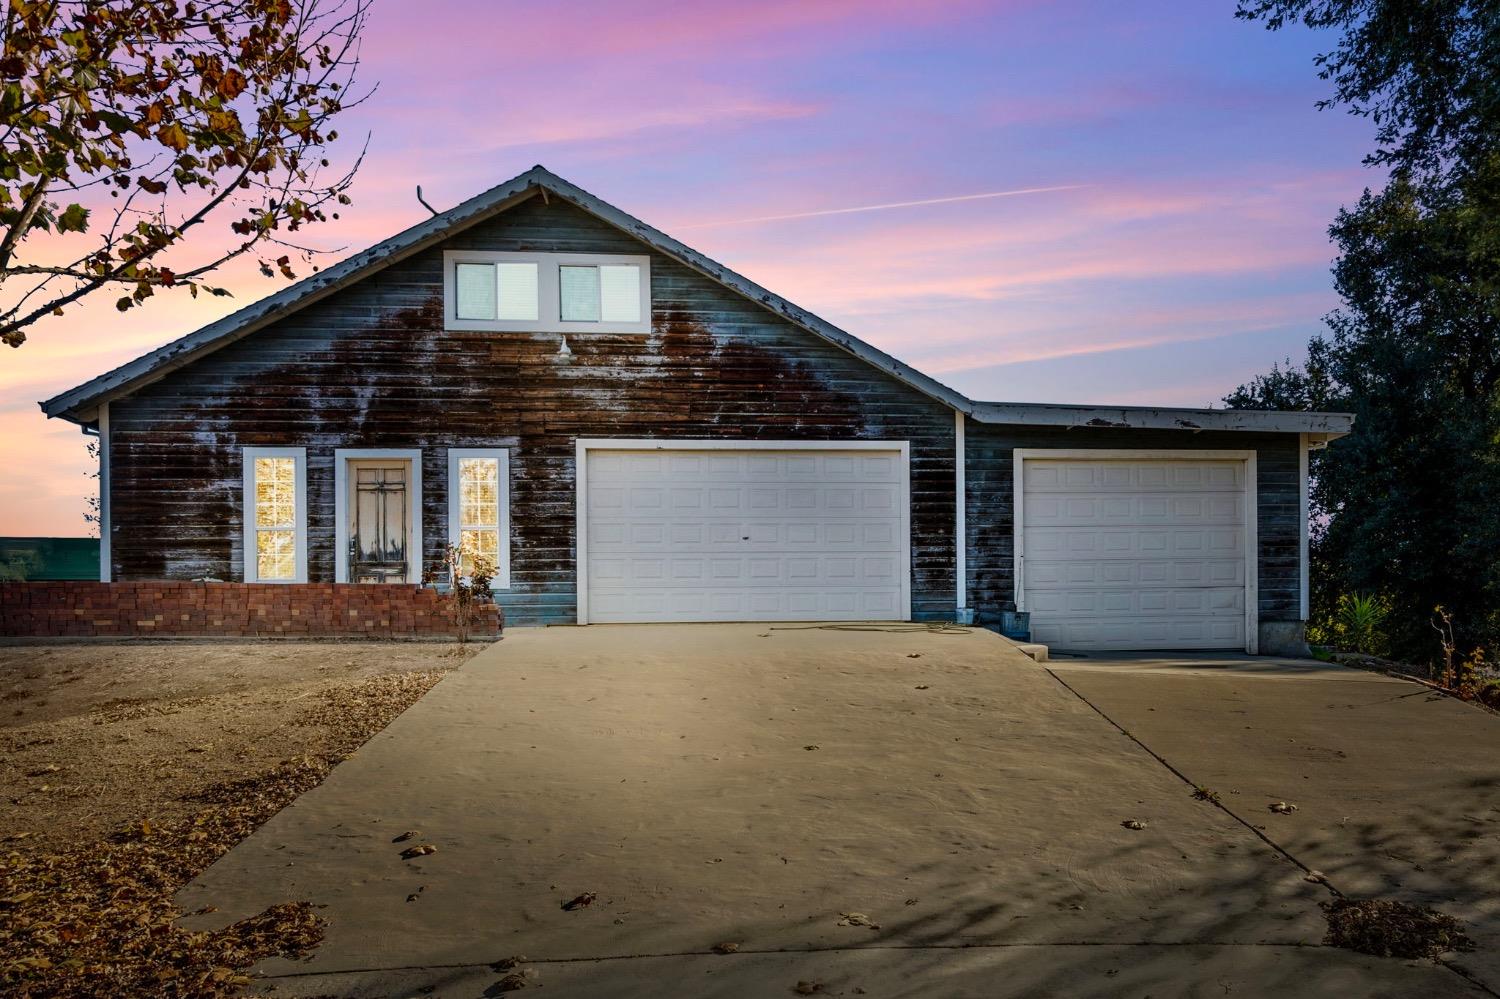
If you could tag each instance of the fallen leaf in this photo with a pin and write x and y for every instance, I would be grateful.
(507, 963)
(725, 948)
(809, 748)
(1281, 808)
(413, 852)
(857, 919)
(1133, 824)
(807, 988)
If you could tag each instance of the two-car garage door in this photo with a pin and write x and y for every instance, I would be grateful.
(743, 533)
(1135, 553)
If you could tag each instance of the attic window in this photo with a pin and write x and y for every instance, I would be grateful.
(496, 291)
(607, 293)
(546, 292)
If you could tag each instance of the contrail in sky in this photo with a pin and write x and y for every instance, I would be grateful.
(893, 204)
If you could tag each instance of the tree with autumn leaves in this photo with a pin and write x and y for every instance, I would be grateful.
(147, 143)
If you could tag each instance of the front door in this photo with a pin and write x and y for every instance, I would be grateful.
(378, 512)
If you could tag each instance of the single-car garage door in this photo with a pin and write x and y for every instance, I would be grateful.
(694, 532)
(1136, 553)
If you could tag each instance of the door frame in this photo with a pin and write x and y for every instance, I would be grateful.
(1252, 529)
(341, 458)
(580, 494)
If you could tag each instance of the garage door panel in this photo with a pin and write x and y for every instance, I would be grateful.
(767, 604)
(1104, 602)
(762, 570)
(1062, 543)
(722, 535)
(1131, 554)
(1136, 573)
(1142, 510)
(613, 535)
(1106, 476)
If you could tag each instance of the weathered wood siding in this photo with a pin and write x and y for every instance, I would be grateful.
(371, 366)
(990, 492)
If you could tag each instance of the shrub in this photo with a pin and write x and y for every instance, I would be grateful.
(1357, 624)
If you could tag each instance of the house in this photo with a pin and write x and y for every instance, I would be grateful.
(633, 432)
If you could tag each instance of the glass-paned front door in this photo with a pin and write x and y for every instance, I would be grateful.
(379, 521)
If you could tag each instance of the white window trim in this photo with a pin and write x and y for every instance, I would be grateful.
(502, 455)
(549, 308)
(584, 445)
(960, 521)
(106, 556)
(1252, 515)
(250, 563)
(1304, 516)
(341, 458)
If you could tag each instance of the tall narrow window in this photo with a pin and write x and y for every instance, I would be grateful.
(478, 513)
(275, 515)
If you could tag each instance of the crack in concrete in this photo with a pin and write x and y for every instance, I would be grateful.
(744, 952)
(1260, 834)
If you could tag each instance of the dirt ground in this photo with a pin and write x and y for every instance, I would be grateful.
(94, 735)
(126, 769)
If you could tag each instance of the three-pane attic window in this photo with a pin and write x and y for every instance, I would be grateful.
(549, 292)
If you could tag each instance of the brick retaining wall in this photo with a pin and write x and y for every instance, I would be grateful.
(251, 610)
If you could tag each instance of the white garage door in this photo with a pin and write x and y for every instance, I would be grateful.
(1135, 554)
(744, 535)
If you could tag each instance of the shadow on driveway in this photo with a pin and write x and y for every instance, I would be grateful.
(745, 784)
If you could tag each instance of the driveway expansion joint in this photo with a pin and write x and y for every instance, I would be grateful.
(748, 952)
(1322, 879)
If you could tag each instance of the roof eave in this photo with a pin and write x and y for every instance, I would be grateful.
(1328, 426)
(76, 403)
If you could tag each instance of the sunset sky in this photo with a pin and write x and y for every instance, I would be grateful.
(1180, 245)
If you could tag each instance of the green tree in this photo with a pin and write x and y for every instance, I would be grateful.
(125, 126)
(1425, 72)
(1407, 505)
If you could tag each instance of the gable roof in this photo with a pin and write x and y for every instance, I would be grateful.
(80, 404)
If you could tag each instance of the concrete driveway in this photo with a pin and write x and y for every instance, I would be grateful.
(755, 785)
